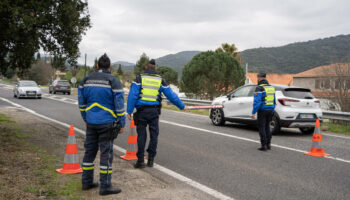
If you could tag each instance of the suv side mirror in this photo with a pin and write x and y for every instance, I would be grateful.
(230, 96)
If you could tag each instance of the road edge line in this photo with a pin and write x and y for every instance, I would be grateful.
(165, 170)
(247, 139)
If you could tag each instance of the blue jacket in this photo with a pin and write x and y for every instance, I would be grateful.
(134, 100)
(101, 98)
(259, 98)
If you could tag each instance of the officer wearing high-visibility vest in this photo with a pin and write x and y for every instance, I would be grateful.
(145, 95)
(264, 105)
(101, 102)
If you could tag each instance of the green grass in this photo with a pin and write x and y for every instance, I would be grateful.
(4, 118)
(7, 81)
(337, 128)
(200, 112)
(44, 180)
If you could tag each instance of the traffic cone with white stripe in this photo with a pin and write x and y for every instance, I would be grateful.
(132, 141)
(316, 149)
(71, 162)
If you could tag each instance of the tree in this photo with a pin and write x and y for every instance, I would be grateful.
(40, 72)
(336, 79)
(38, 57)
(230, 49)
(140, 65)
(27, 26)
(211, 73)
(169, 74)
(120, 71)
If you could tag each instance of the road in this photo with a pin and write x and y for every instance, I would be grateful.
(226, 158)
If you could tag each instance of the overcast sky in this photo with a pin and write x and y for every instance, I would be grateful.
(124, 29)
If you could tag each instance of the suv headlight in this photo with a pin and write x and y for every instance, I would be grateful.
(38, 91)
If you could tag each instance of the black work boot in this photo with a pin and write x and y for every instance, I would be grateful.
(268, 146)
(110, 190)
(150, 161)
(140, 164)
(89, 186)
(262, 148)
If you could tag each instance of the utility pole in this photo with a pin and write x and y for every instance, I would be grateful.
(246, 74)
(85, 66)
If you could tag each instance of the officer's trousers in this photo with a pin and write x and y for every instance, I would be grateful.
(264, 119)
(147, 116)
(98, 136)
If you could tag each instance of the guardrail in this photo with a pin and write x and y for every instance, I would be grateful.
(333, 115)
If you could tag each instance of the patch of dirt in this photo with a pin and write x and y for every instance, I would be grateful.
(135, 184)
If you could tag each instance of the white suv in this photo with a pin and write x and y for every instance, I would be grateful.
(295, 108)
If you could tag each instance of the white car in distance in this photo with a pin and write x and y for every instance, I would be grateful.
(295, 108)
(27, 89)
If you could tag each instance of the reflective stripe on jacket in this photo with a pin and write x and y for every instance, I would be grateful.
(101, 98)
(150, 85)
(135, 100)
(264, 97)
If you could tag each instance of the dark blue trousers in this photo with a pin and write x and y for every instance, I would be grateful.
(264, 119)
(150, 117)
(98, 136)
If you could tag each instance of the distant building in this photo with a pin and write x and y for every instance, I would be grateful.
(59, 75)
(325, 80)
(280, 79)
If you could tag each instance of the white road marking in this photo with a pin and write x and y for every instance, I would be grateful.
(232, 136)
(245, 139)
(167, 171)
(337, 136)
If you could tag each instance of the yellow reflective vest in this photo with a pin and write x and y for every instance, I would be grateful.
(150, 86)
(270, 94)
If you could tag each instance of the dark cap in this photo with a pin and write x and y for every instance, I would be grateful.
(152, 62)
(261, 75)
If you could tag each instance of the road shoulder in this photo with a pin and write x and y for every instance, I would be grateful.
(136, 184)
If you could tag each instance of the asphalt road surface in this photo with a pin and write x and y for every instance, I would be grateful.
(226, 158)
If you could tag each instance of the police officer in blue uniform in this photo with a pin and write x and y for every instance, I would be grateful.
(145, 96)
(264, 105)
(101, 102)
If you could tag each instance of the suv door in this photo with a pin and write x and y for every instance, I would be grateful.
(240, 103)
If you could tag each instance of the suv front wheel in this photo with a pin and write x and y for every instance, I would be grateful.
(217, 117)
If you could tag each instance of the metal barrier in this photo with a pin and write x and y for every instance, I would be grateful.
(334, 115)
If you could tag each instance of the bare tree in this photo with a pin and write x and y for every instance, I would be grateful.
(336, 82)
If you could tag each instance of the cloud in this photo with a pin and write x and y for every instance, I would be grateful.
(126, 29)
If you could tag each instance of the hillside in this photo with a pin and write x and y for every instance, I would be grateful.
(298, 57)
(176, 61)
(126, 66)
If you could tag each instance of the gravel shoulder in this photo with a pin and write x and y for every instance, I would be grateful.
(135, 184)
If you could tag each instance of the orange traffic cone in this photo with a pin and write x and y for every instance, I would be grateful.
(316, 149)
(132, 141)
(71, 163)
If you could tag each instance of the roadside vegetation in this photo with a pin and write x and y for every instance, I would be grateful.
(200, 112)
(28, 171)
(336, 127)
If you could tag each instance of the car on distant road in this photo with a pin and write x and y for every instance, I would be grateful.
(295, 108)
(62, 86)
(27, 89)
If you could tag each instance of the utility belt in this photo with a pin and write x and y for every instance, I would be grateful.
(140, 109)
(112, 134)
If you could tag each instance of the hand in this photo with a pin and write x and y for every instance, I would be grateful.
(253, 116)
(186, 108)
(129, 116)
(121, 130)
